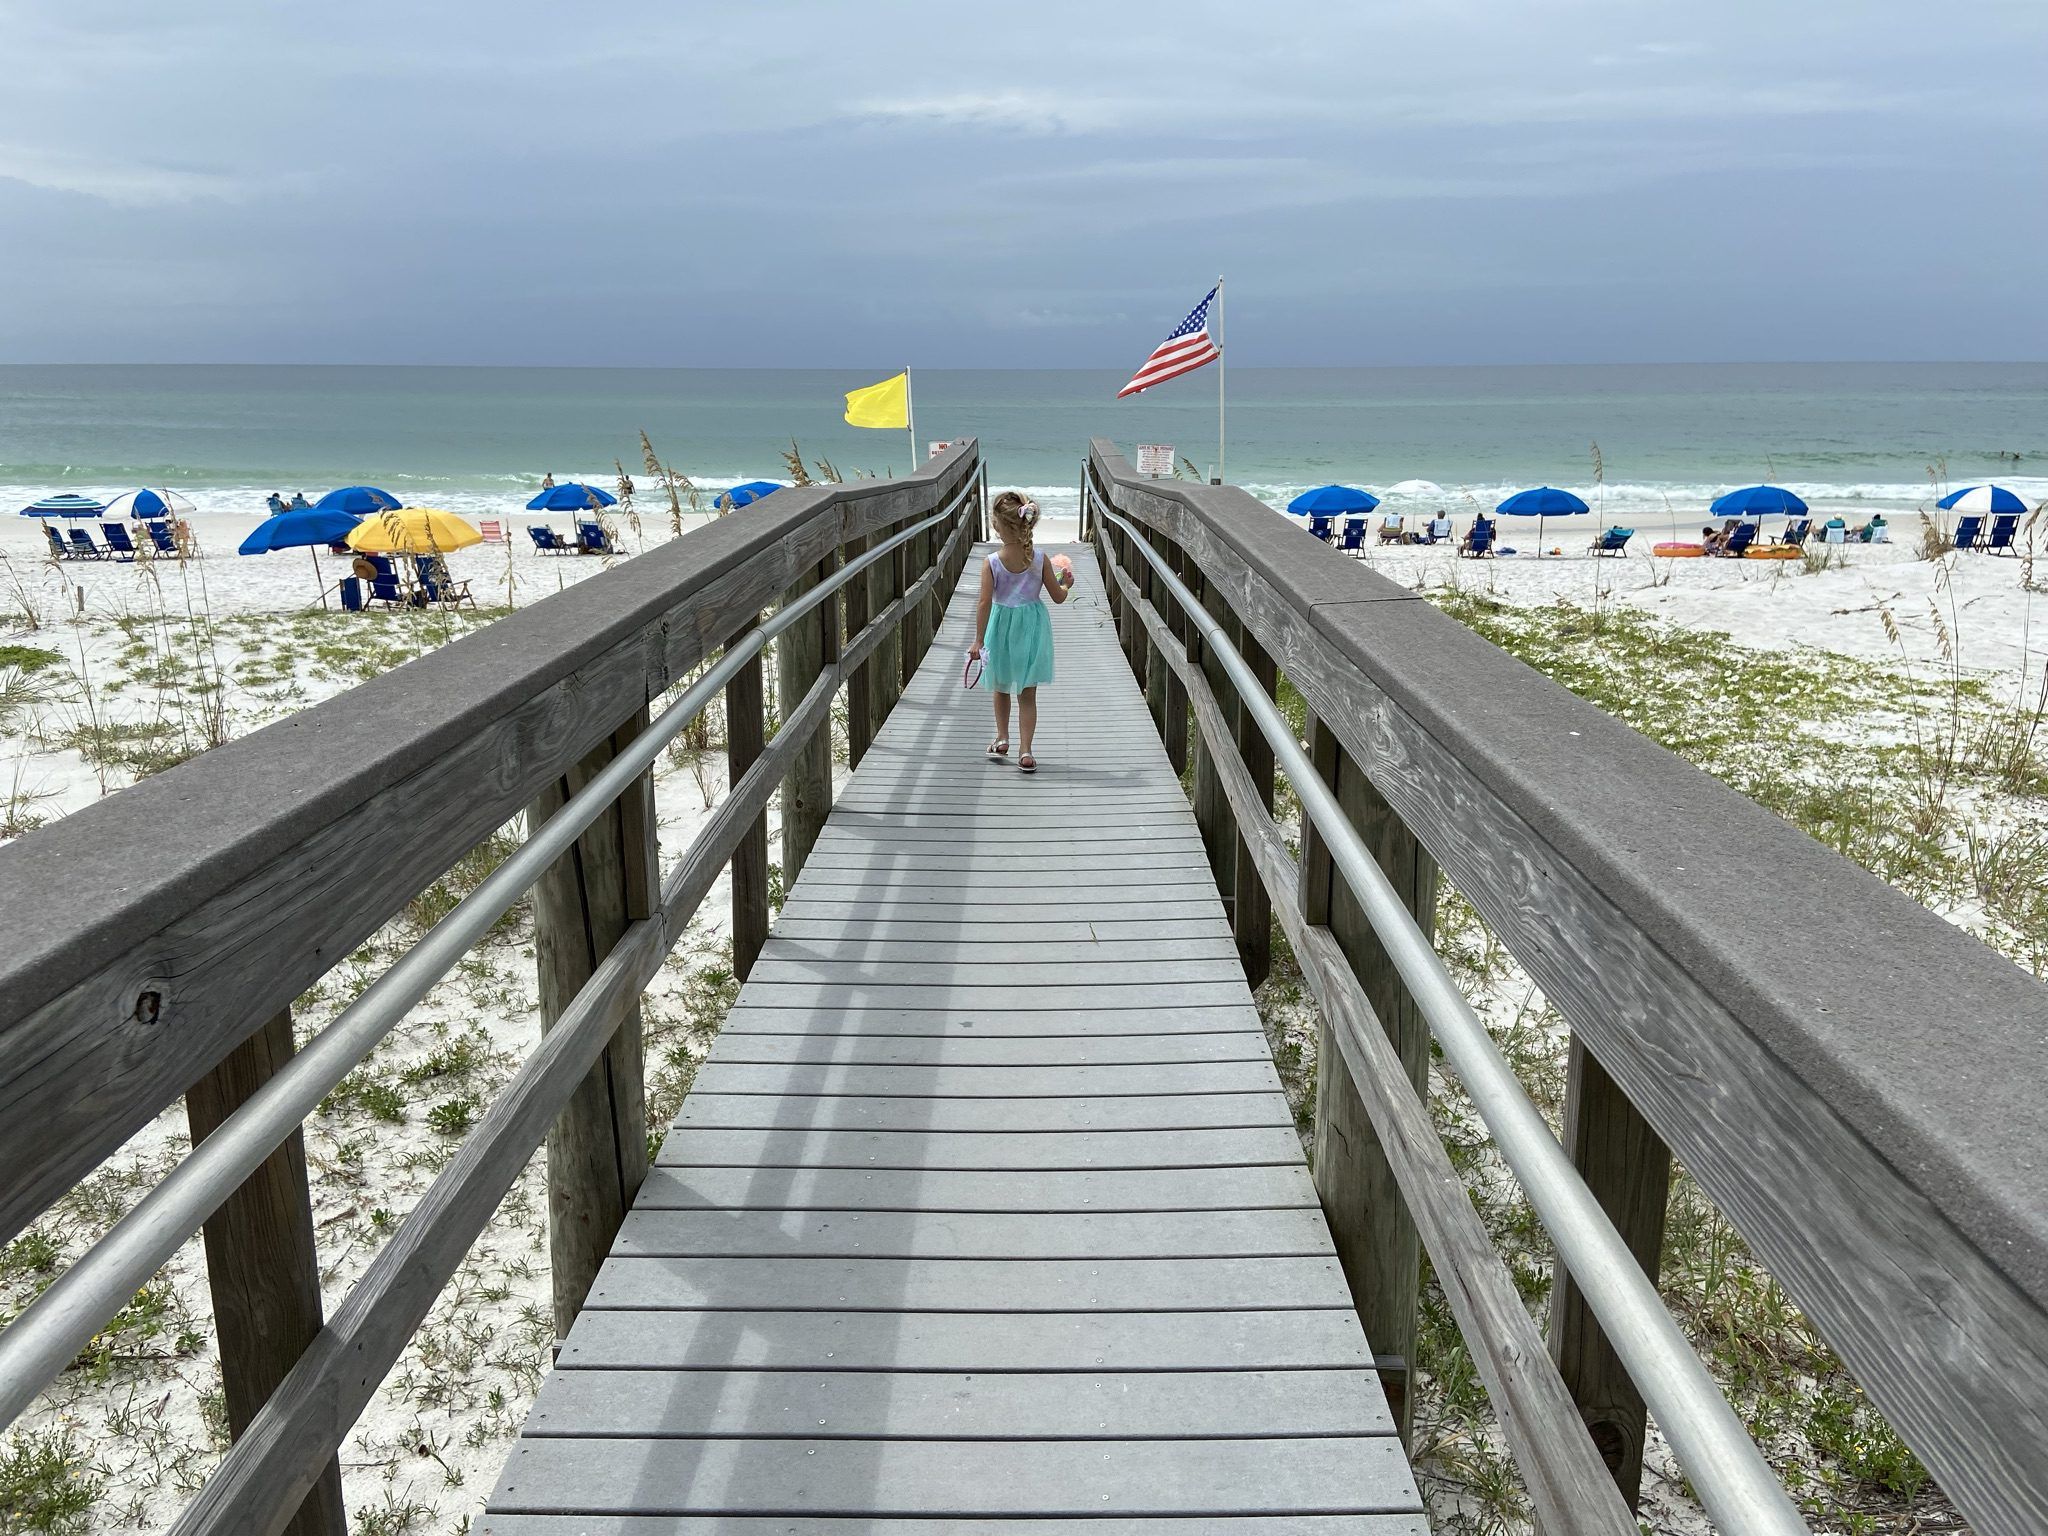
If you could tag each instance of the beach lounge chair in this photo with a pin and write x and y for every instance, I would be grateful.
(160, 536)
(1437, 531)
(351, 594)
(548, 542)
(437, 585)
(1322, 528)
(1479, 542)
(591, 540)
(83, 547)
(119, 545)
(2003, 527)
(59, 550)
(1390, 530)
(1739, 539)
(1354, 537)
(1795, 531)
(386, 590)
(1613, 541)
(1968, 530)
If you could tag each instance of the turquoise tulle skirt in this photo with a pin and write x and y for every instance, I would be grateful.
(1018, 648)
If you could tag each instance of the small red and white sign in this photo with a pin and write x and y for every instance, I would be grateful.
(1155, 459)
(933, 450)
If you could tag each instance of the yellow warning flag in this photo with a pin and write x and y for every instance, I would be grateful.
(886, 404)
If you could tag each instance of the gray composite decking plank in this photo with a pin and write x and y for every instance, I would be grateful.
(861, 1525)
(948, 1081)
(1100, 996)
(966, 1049)
(955, 1285)
(985, 1236)
(988, 1170)
(1331, 1474)
(1296, 1339)
(740, 1111)
(939, 1018)
(977, 1148)
(985, 1405)
(1259, 1187)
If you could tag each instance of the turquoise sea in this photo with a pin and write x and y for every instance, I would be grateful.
(479, 439)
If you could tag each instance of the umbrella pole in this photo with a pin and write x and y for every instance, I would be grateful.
(318, 575)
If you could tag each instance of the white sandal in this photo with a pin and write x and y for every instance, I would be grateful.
(999, 749)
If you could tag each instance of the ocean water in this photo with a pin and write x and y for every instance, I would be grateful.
(1857, 436)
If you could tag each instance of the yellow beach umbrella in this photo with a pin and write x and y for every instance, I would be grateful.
(412, 531)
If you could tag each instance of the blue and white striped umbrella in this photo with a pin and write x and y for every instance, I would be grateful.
(1983, 501)
(148, 506)
(65, 505)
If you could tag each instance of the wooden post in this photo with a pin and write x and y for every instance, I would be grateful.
(1157, 672)
(883, 669)
(746, 728)
(261, 1262)
(597, 1147)
(1252, 913)
(1174, 728)
(860, 723)
(1376, 1238)
(907, 653)
(1212, 810)
(800, 654)
(1628, 1168)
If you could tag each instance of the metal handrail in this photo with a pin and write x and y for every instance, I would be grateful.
(50, 1332)
(1735, 1483)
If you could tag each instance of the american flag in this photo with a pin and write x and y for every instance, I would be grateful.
(1187, 349)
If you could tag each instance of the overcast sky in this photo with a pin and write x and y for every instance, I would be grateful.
(1027, 184)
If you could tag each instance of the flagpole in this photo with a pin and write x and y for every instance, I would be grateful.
(910, 417)
(1220, 474)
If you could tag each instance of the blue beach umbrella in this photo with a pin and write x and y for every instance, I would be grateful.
(745, 495)
(302, 528)
(65, 505)
(362, 500)
(1542, 502)
(1983, 501)
(571, 498)
(147, 506)
(1759, 501)
(1332, 501)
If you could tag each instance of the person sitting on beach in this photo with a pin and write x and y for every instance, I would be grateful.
(1390, 529)
(299, 502)
(275, 503)
(1713, 541)
(1873, 532)
(1440, 528)
(1467, 546)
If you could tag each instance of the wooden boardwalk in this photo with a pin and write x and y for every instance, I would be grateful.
(986, 1212)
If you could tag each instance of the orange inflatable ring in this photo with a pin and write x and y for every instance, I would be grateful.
(1679, 551)
(1775, 552)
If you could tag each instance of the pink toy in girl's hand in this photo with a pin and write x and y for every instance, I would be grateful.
(1063, 568)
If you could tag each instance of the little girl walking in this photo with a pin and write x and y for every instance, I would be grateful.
(1013, 632)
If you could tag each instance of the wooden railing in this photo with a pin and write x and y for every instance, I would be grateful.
(158, 940)
(1855, 1082)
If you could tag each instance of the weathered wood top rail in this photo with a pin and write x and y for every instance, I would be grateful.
(1864, 1106)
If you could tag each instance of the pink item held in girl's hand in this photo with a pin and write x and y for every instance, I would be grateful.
(1064, 569)
(971, 673)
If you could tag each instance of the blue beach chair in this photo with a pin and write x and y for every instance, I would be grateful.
(119, 545)
(59, 550)
(352, 594)
(1968, 530)
(1322, 528)
(1739, 539)
(591, 540)
(1613, 541)
(1479, 542)
(160, 536)
(386, 590)
(2003, 527)
(1796, 531)
(83, 547)
(548, 542)
(1354, 537)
